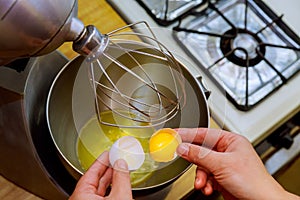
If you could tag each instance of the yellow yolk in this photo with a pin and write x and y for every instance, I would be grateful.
(163, 144)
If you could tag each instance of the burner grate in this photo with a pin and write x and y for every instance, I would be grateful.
(165, 12)
(244, 47)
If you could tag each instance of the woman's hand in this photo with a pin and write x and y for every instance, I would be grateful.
(227, 162)
(94, 183)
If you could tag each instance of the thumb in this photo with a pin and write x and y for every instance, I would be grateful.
(121, 186)
(201, 156)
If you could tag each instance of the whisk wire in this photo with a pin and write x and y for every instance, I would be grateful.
(168, 57)
(145, 101)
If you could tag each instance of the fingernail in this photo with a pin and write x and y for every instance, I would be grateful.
(183, 149)
(121, 164)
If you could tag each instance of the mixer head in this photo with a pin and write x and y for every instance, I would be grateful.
(136, 78)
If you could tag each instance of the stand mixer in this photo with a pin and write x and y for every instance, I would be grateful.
(30, 66)
(30, 32)
(34, 28)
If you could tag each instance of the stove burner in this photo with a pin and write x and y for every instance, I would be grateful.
(245, 48)
(245, 41)
(165, 12)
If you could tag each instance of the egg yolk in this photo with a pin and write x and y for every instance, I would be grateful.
(163, 144)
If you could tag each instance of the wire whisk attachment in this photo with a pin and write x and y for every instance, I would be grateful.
(136, 78)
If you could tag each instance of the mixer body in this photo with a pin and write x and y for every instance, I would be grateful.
(28, 156)
(34, 28)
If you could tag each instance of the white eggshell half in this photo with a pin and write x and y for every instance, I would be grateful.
(129, 149)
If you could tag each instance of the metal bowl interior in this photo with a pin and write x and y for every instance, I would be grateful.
(71, 104)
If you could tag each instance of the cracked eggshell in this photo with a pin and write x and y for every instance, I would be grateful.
(129, 149)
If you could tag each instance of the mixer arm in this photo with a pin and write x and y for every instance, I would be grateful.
(34, 27)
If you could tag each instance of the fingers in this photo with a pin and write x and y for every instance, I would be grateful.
(203, 182)
(204, 136)
(201, 178)
(208, 188)
(105, 181)
(121, 186)
(201, 156)
(99, 176)
(96, 171)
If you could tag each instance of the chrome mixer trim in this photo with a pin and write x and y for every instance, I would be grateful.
(8, 6)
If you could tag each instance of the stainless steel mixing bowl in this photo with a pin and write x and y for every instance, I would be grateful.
(70, 105)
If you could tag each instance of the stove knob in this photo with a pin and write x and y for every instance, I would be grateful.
(287, 141)
(283, 136)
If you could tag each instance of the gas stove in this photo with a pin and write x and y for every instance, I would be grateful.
(242, 48)
(247, 52)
